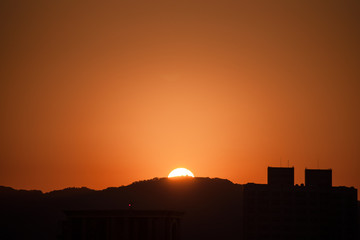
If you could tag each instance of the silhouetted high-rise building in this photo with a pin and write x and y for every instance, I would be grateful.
(318, 177)
(122, 225)
(281, 176)
(284, 211)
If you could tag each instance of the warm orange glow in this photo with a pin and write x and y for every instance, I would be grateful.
(181, 172)
(105, 93)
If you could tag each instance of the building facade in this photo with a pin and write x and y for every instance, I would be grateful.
(122, 225)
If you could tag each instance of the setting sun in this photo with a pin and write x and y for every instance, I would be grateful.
(181, 172)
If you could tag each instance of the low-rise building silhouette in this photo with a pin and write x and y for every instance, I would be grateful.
(280, 210)
(122, 225)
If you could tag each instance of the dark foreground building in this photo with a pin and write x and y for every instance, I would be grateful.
(280, 210)
(122, 225)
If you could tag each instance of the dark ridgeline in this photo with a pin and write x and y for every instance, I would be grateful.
(213, 209)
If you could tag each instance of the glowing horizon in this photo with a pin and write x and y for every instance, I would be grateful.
(180, 172)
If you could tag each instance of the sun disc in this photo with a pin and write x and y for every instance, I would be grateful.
(181, 172)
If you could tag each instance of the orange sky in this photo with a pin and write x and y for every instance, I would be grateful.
(104, 93)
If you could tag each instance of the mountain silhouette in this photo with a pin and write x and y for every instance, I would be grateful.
(212, 207)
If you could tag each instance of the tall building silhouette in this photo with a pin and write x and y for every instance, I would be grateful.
(318, 177)
(316, 210)
(278, 176)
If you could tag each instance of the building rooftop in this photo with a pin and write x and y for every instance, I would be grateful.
(123, 213)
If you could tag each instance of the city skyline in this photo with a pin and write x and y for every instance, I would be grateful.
(189, 208)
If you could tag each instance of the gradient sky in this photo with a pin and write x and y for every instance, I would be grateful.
(104, 93)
